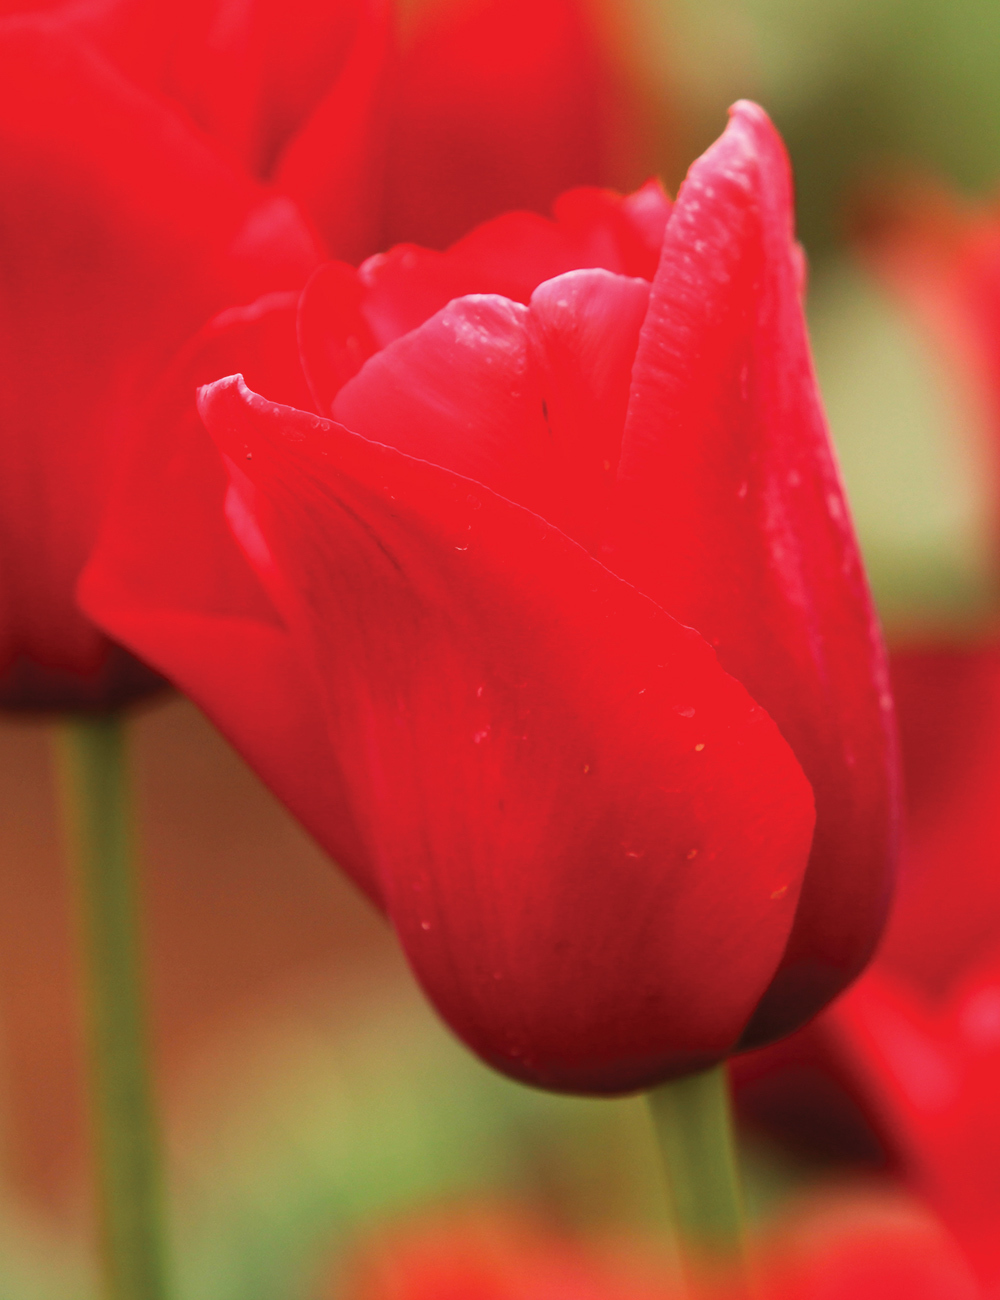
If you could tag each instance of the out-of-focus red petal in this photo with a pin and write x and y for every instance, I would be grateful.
(930, 1074)
(334, 167)
(167, 579)
(490, 1253)
(730, 513)
(946, 916)
(122, 232)
(499, 107)
(865, 1245)
(291, 91)
(588, 836)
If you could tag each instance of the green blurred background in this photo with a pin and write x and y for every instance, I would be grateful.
(311, 1095)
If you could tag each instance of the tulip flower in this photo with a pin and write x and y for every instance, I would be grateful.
(567, 631)
(133, 210)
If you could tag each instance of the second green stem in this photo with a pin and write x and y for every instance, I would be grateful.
(95, 786)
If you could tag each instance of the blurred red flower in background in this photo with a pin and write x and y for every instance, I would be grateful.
(846, 1245)
(928, 1074)
(862, 1244)
(915, 1044)
(129, 217)
(162, 163)
(589, 836)
(486, 1253)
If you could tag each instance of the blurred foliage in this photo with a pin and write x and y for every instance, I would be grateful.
(911, 453)
(36, 1261)
(302, 1136)
(310, 1132)
(853, 85)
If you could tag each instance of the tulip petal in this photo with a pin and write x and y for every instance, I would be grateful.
(333, 336)
(513, 254)
(345, 315)
(588, 836)
(294, 94)
(333, 167)
(529, 401)
(122, 233)
(525, 75)
(585, 328)
(729, 512)
(167, 579)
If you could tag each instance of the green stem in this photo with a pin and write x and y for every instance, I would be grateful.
(96, 799)
(694, 1125)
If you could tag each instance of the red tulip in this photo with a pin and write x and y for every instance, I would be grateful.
(292, 95)
(135, 141)
(478, 682)
(500, 104)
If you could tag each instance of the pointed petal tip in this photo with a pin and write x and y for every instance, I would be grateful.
(750, 130)
(749, 112)
(749, 153)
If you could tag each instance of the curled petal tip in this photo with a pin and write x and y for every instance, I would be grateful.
(750, 126)
(207, 391)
